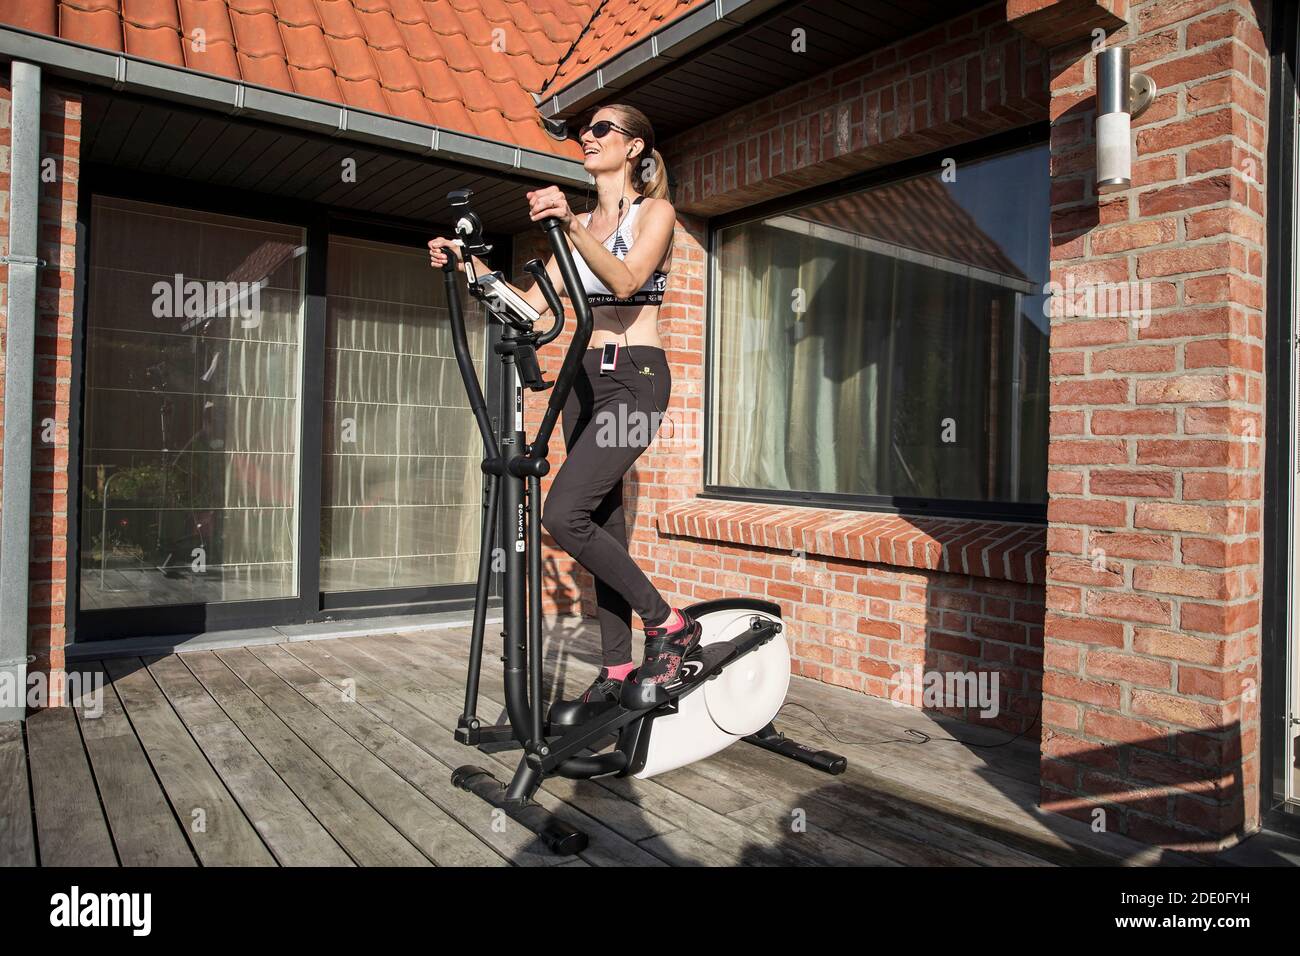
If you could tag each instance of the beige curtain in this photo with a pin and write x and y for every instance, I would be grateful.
(795, 373)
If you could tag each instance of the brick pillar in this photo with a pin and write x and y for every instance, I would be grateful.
(51, 476)
(52, 479)
(1151, 655)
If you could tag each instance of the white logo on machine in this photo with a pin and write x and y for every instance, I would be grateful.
(688, 673)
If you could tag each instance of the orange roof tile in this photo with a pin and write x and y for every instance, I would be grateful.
(467, 65)
(615, 27)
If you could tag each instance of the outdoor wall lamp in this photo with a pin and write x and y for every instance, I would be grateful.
(1120, 97)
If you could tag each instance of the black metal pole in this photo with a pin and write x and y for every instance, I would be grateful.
(581, 335)
(535, 604)
(469, 717)
(460, 346)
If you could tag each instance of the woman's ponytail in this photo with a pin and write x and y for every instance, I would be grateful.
(654, 177)
(650, 175)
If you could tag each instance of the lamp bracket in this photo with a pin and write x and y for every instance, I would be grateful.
(1141, 93)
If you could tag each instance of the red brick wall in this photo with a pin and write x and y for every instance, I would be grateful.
(1151, 722)
(61, 141)
(960, 81)
(864, 598)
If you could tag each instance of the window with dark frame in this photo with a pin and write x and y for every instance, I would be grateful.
(887, 348)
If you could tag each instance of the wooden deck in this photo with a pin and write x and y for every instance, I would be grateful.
(339, 752)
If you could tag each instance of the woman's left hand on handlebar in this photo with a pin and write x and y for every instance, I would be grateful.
(440, 250)
(549, 203)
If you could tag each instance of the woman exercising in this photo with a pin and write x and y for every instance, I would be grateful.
(622, 251)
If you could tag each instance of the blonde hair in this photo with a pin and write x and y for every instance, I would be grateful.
(651, 178)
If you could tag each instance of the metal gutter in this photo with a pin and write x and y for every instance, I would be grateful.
(236, 98)
(20, 365)
(657, 51)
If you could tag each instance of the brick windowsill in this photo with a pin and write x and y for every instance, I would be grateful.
(1008, 551)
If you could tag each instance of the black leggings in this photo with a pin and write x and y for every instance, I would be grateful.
(610, 418)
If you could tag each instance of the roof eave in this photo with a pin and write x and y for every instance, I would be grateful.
(660, 49)
(237, 98)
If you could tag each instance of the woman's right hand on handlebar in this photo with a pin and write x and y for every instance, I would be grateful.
(439, 251)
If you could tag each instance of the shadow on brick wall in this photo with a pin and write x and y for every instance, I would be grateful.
(1168, 789)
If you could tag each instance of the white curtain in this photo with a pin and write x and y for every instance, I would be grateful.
(401, 491)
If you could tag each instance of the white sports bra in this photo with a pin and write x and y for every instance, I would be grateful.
(652, 293)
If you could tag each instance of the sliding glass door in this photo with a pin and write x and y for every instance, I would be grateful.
(273, 425)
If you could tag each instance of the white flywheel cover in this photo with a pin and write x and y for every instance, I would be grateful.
(748, 693)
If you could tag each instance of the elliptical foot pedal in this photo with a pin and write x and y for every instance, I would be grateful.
(559, 837)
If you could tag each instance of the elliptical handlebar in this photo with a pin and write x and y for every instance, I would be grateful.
(470, 230)
(581, 335)
(537, 270)
(460, 345)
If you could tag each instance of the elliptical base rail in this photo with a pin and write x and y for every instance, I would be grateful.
(559, 837)
(769, 738)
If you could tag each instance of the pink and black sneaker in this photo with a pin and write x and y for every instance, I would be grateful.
(599, 697)
(666, 647)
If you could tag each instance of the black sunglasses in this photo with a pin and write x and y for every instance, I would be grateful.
(601, 129)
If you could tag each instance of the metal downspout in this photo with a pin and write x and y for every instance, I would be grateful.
(20, 363)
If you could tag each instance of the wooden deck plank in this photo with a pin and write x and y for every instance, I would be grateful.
(416, 766)
(683, 848)
(214, 823)
(695, 784)
(293, 835)
(70, 826)
(1010, 768)
(607, 847)
(17, 836)
(426, 825)
(143, 827)
(367, 837)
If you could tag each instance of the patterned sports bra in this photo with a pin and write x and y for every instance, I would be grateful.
(598, 294)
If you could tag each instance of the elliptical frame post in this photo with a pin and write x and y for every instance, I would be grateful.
(516, 674)
(468, 727)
